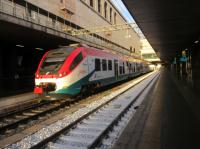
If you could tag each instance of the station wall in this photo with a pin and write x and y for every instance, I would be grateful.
(17, 69)
(83, 14)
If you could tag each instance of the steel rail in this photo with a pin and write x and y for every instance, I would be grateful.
(55, 136)
(47, 107)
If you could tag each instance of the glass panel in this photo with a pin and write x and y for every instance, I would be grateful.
(97, 65)
(104, 65)
(54, 60)
(76, 61)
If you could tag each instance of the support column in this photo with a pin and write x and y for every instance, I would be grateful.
(196, 69)
(9, 70)
(1, 70)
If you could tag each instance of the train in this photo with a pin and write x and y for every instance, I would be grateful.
(76, 68)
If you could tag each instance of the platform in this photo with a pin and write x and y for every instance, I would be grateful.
(9, 103)
(167, 119)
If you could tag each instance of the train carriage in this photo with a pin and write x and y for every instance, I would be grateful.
(73, 69)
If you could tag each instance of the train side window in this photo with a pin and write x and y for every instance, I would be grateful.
(76, 61)
(120, 69)
(123, 68)
(97, 64)
(109, 65)
(104, 65)
(127, 63)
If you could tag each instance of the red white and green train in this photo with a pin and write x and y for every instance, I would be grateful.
(73, 69)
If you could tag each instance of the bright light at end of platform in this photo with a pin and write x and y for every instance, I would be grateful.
(158, 66)
(152, 67)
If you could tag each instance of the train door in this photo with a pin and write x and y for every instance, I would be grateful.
(116, 68)
(90, 64)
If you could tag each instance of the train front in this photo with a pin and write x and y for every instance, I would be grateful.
(50, 76)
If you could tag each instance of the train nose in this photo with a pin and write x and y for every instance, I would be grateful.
(45, 88)
(49, 87)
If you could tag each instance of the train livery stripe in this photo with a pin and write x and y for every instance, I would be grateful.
(75, 88)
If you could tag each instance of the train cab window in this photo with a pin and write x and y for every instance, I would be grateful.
(54, 60)
(109, 65)
(97, 64)
(76, 61)
(104, 65)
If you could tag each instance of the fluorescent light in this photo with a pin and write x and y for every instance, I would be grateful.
(39, 49)
(18, 45)
(196, 41)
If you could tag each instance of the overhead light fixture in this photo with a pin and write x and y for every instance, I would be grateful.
(21, 46)
(39, 49)
(196, 41)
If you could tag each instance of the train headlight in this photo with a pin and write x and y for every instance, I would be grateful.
(60, 75)
(37, 76)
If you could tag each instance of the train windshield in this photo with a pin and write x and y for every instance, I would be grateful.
(54, 60)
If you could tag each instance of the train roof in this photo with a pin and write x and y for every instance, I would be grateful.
(102, 53)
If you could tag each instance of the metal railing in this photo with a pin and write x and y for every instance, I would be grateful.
(23, 12)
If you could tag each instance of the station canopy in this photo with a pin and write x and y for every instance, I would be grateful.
(169, 25)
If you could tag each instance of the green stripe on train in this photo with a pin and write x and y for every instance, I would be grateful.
(76, 87)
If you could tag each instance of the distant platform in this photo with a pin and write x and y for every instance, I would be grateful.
(166, 119)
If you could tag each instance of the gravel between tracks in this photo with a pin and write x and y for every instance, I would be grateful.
(47, 131)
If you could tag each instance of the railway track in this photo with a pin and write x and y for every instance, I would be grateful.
(19, 120)
(88, 126)
(16, 121)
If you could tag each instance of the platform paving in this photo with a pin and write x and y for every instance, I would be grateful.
(9, 103)
(164, 121)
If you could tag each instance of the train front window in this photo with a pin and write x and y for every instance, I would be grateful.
(52, 64)
(54, 60)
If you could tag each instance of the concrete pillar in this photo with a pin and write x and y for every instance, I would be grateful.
(196, 68)
(1, 70)
(9, 69)
(178, 68)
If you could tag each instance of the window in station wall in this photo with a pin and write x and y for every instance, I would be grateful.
(115, 18)
(111, 15)
(91, 3)
(105, 9)
(99, 6)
